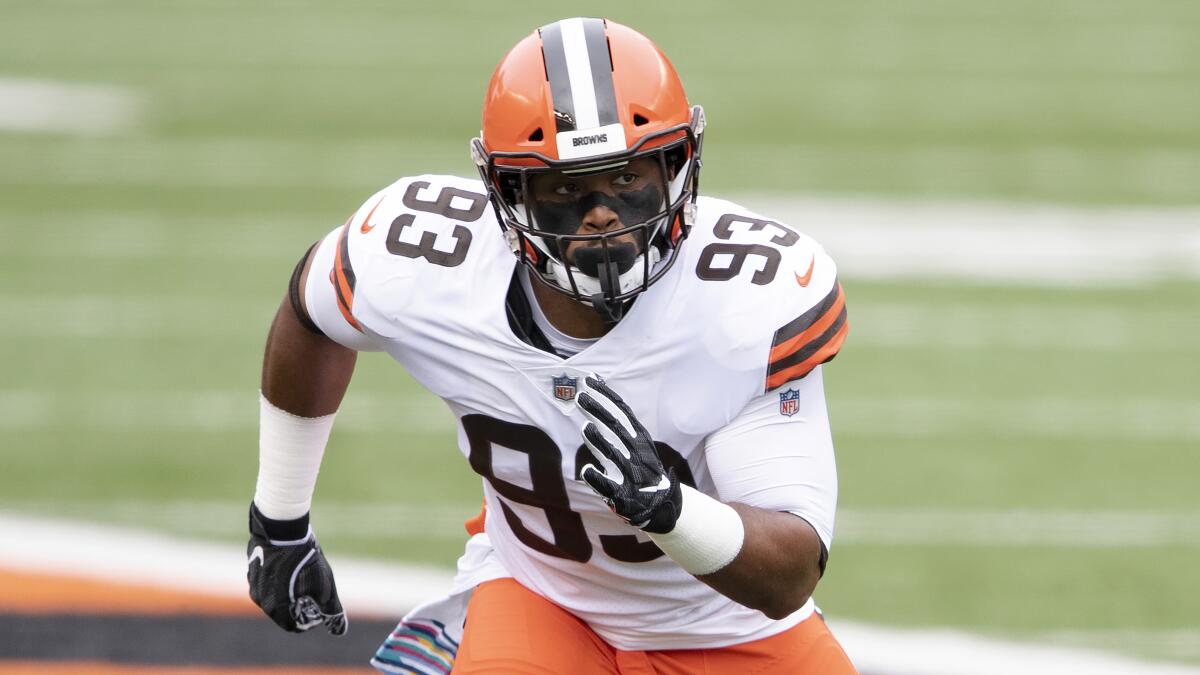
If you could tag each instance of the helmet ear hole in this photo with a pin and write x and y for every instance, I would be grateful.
(639, 120)
(536, 136)
(676, 159)
(509, 186)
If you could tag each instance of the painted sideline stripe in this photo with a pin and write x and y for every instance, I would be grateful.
(52, 106)
(213, 518)
(127, 556)
(1182, 643)
(24, 592)
(103, 668)
(894, 651)
(388, 590)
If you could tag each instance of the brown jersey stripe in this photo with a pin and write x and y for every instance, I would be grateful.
(343, 277)
(801, 323)
(806, 350)
(808, 325)
(825, 353)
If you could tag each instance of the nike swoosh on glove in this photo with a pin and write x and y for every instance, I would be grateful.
(289, 577)
(632, 480)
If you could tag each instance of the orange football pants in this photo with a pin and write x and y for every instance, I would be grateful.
(513, 630)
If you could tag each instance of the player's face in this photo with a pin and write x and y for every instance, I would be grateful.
(596, 204)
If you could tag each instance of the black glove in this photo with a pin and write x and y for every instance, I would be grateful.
(289, 578)
(632, 481)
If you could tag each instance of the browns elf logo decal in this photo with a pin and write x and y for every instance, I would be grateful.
(565, 387)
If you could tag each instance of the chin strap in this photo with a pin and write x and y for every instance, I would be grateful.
(610, 285)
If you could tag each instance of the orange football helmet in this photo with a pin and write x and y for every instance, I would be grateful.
(587, 96)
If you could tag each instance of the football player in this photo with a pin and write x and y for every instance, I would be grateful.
(635, 371)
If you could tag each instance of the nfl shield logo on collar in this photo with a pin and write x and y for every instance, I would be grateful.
(789, 402)
(564, 387)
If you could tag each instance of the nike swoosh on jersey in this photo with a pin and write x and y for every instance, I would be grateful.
(256, 554)
(803, 280)
(663, 484)
(366, 223)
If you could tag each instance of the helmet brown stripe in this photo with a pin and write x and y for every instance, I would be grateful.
(599, 65)
(602, 75)
(556, 73)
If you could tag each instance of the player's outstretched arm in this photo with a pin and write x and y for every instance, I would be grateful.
(765, 560)
(304, 377)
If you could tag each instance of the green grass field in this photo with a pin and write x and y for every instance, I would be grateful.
(140, 268)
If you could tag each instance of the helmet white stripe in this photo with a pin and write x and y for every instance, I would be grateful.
(579, 69)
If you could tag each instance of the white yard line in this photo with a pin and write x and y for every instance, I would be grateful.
(368, 587)
(50, 106)
(1008, 528)
(222, 410)
(1157, 173)
(903, 324)
(1015, 325)
(212, 411)
(870, 238)
(1029, 416)
(1029, 244)
(973, 528)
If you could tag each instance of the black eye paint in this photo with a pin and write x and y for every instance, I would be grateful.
(632, 207)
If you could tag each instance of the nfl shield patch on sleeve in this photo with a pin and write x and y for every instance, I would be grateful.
(789, 402)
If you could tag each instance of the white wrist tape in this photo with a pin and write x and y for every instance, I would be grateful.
(290, 449)
(707, 536)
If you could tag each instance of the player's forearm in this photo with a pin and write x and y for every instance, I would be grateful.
(304, 378)
(765, 560)
(777, 567)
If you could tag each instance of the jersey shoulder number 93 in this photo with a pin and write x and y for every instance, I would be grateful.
(426, 219)
(780, 279)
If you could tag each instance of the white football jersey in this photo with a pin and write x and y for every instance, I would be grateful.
(719, 360)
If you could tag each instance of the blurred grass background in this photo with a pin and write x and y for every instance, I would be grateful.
(139, 270)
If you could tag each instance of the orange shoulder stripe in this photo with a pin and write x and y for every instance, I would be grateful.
(789, 346)
(825, 353)
(343, 277)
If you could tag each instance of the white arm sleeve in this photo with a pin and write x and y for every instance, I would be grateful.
(777, 462)
(290, 449)
(320, 300)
